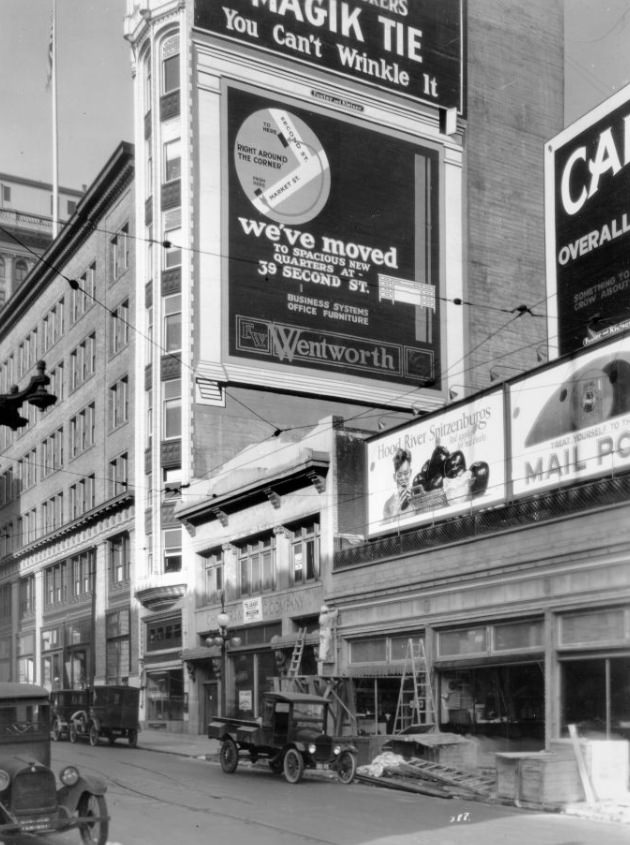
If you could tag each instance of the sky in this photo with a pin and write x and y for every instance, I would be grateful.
(95, 84)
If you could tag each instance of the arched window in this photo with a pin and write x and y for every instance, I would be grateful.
(170, 64)
(21, 271)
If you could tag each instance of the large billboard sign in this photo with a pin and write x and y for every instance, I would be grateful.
(438, 467)
(333, 242)
(572, 420)
(411, 47)
(587, 187)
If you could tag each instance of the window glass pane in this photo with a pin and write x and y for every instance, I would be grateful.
(368, 651)
(516, 635)
(468, 641)
(598, 626)
(171, 74)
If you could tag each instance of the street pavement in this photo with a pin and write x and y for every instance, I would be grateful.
(201, 747)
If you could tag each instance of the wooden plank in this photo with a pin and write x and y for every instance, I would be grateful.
(589, 792)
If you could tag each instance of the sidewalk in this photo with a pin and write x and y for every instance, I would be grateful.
(200, 747)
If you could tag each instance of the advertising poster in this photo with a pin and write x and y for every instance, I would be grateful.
(571, 421)
(438, 467)
(587, 173)
(333, 234)
(405, 46)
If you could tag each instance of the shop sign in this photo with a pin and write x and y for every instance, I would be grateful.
(587, 187)
(252, 610)
(245, 701)
(571, 421)
(438, 467)
(405, 46)
(333, 244)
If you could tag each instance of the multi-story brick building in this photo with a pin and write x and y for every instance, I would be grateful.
(344, 218)
(66, 488)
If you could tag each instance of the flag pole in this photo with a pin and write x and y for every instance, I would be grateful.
(55, 151)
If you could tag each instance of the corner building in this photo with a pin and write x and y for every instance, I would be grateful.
(341, 206)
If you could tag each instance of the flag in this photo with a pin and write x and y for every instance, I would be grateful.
(51, 52)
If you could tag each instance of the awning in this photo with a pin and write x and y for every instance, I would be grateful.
(194, 655)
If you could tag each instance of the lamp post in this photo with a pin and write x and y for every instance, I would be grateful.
(221, 639)
(34, 393)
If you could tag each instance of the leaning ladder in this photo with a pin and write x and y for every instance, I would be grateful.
(416, 705)
(296, 656)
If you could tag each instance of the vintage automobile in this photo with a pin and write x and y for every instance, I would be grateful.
(64, 704)
(110, 712)
(30, 800)
(291, 735)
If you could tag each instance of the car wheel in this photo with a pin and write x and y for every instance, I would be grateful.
(55, 732)
(228, 755)
(346, 767)
(72, 733)
(93, 832)
(132, 738)
(293, 766)
(93, 735)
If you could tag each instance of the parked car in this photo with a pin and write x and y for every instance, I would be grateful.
(65, 703)
(110, 712)
(291, 735)
(31, 802)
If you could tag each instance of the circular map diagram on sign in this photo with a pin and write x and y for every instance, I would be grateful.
(282, 166)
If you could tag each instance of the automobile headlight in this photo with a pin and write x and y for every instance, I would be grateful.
(5, 780)
(312, 748)
(336, 750)
(69, 776)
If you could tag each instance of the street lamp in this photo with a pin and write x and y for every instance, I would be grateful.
(34, 393)
(221, 639)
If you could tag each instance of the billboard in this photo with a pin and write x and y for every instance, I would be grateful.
(438, 467)
(571, 420)
(333, 244)
(587, 209)
(405, 46)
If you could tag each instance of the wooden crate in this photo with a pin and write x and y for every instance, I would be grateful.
(607, 762)
(540, 778)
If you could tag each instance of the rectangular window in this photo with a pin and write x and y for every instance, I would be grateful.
(118, 475)
(119, 328)
(305, 553)
(119, 403)
(173, 323)
(82, 430)
(164, 634)
(172, 538)
(172, 160)
(118, 652)
(464, 641)
(6, 193)
(83, 568)
(213, 577)
(172, 408)
(83, 361)
(27, 596)
(55, 584)
(82, 496)
(257, 566)
(173, 248)
(119, 560)
(119, 253)
(170, 65)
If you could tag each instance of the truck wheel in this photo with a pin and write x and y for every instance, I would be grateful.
(93, 735)
(346, 767)
(293, 766)
(228, 755)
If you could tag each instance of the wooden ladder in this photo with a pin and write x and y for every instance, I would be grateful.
(296, 657)
(416, 705)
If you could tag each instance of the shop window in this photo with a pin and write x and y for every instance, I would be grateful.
(117, 647)
(464, 641)
(596, 696)
(372, 650)
(165, 696)
(513, 636)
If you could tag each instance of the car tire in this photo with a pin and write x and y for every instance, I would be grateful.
(293, 765)
(93, 833)
(346, 767)
(228, 756)
(93, 735)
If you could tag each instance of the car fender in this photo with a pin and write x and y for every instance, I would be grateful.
(69, 796)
